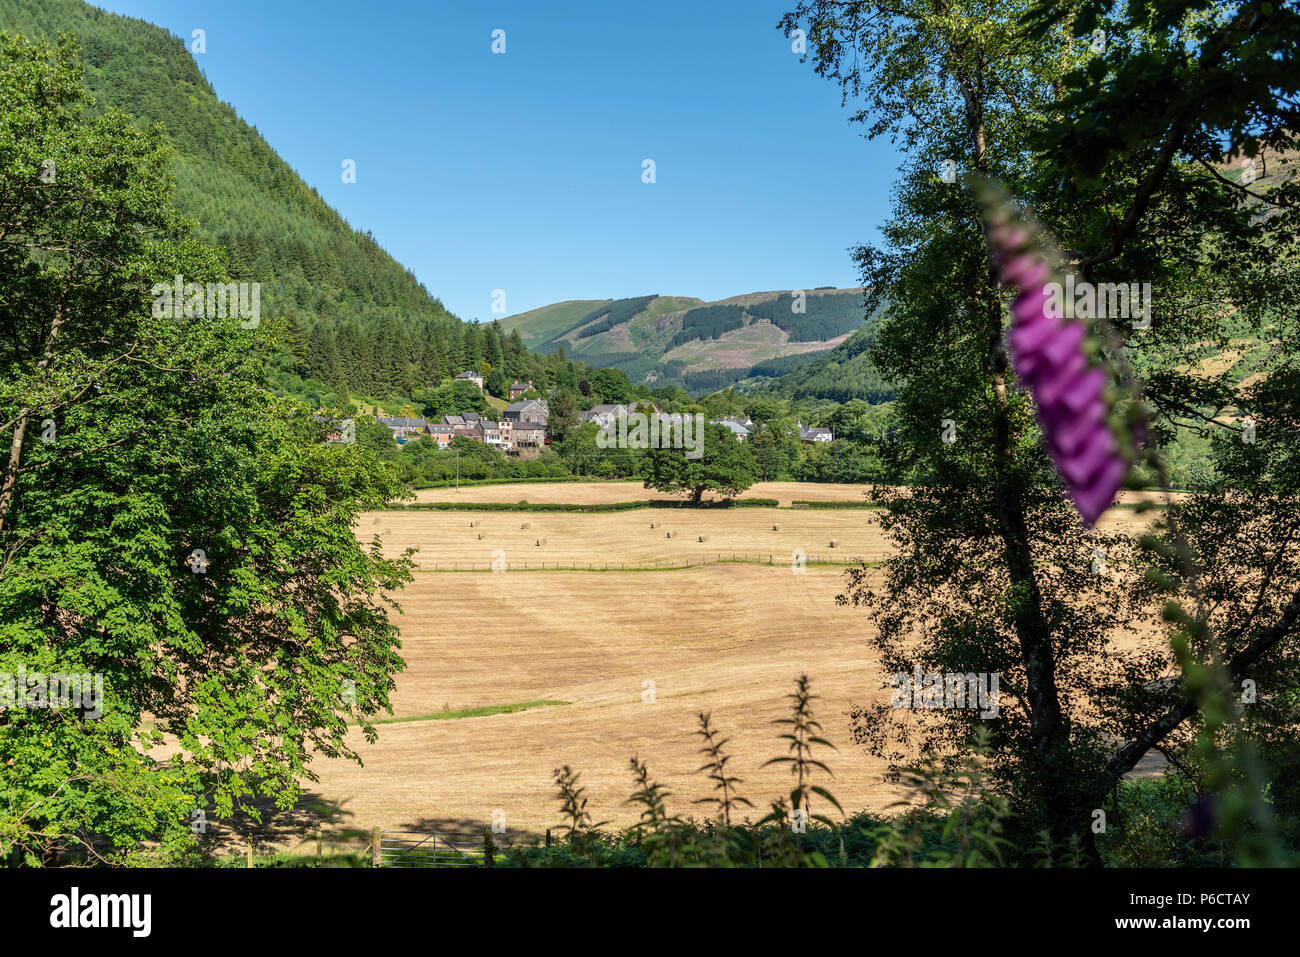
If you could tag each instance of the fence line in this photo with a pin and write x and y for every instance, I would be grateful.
(718, 558)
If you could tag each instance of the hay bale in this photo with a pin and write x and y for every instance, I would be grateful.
(776, 528)
(473, 524)
(654, 524)
(480, 536)
(526, 525)
(541, 541)
(669, 534)
(703, 537)
(835, 543)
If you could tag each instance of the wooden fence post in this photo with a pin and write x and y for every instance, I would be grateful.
(375, 859)
(488, 847)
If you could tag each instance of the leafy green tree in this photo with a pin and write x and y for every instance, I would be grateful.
(610, 384)
(726, 466)
(1122, 183)
(453, 397)
(770, 459)
(166, 524)
(564, 414)
(378, 438)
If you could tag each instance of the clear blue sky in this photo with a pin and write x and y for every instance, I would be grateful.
(522, 171)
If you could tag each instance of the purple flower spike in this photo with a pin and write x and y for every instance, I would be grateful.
(1052, 359)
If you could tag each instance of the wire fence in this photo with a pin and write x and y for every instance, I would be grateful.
(717, 558)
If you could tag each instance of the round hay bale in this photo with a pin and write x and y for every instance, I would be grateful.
(526, 525)
(669, 534)
(480, 536)
(541, 541)
(472, 524)
(703, 537)
(776, 528)
(654, 525)
(835, 543)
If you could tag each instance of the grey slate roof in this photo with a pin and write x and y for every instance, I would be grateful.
(402, 423)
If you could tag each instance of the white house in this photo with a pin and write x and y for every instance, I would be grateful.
(470, 376)
(739, 431)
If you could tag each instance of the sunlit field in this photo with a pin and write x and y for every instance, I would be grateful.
(723, 637)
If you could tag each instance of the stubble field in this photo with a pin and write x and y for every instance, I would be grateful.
(635, 654)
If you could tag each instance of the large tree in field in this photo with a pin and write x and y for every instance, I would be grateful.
(725, 465)
(165, 523)
(1104, 124)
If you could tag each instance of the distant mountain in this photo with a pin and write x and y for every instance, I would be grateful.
(681, 340)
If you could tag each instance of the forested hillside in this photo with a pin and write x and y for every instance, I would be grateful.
(842, 374)
(344, 312)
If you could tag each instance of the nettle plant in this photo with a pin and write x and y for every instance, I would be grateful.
(948, 822)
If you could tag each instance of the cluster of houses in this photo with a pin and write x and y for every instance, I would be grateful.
(516, 388)
(522, 428)
(606, 414)
(523, 423)
(741, 426)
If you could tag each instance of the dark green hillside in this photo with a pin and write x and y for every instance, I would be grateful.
(354, 319)
(683, 341)
(844, 373)
(709, 322)
(244, 196)
(824, 317)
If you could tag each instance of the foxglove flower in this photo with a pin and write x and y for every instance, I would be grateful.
(1060, 364)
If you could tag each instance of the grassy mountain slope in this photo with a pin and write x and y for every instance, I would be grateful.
(680, 340)
(541, 325)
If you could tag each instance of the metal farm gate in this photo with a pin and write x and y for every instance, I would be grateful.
(430, 849)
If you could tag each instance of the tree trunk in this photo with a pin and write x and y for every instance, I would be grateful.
(1049, 726)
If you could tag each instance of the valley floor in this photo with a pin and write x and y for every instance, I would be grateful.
(727, 638)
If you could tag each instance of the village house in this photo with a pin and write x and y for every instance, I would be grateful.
(336, 432)
(742, 420)
(528, 435)
(534, 411)
(739, 431)
(474, 426)
(519, 388)
(603, 415)
(404, 429)
(817, 434)
(441, 433)
(469, 376)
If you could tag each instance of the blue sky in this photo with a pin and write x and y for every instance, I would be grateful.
(522, 171)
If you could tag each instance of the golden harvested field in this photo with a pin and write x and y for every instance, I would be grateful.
(726, 638)
(600, 538)
(601, 493)
(729, 639)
